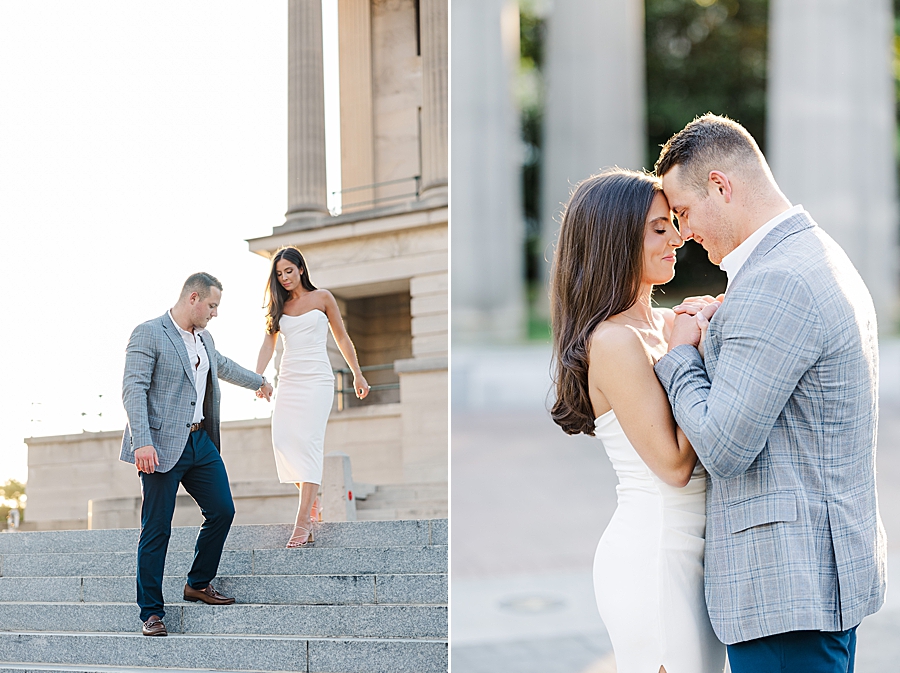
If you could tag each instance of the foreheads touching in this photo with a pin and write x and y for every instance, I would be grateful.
(711, 143)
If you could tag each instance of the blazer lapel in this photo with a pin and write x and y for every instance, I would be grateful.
(790, 226)
(175, 336)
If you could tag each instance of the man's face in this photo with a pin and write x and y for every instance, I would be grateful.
(700, 216)
(204, 309)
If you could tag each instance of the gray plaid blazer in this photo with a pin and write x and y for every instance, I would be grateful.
(783, 415)
(159, 394)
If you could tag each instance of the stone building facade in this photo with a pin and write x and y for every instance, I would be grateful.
(384, 257)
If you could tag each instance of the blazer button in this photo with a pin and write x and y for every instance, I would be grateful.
(187, 425)
(193, 404)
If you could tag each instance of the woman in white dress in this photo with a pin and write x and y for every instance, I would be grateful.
(617, 240)
(302, 314)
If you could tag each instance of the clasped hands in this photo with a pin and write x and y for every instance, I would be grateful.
(692, 318)
(265, 392)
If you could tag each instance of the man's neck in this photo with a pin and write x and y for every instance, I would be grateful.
(182, 319)
(763, 214)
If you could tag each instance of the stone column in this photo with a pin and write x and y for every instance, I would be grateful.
(306, 111)
(831, 129)
(488, 226)
(433, 22)
(357, 144)
(594, 116)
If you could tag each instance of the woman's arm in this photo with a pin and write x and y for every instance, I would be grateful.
(265, 352)
(342, 339)
(622, 369)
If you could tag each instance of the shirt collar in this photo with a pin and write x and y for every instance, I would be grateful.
(734, 260)
(178, 327)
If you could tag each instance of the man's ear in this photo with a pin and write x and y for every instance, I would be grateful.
(721, 184)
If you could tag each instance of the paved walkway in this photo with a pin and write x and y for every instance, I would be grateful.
(529, 504)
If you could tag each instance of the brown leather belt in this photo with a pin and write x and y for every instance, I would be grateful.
(195, 427)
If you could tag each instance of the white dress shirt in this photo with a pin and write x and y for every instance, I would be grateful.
(200, 362)
(734, 260)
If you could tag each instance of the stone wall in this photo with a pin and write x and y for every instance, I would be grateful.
(66, 472)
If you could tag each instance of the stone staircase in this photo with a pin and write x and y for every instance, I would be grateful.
(368, 597)
(402, 501)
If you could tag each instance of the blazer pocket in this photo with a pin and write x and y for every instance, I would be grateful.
(155, 423)
(759, 510)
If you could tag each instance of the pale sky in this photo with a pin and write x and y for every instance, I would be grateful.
(139, 142)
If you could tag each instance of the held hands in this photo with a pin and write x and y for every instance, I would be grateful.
(692, 318)
(361, 386)
(265, 392)
(145, 459)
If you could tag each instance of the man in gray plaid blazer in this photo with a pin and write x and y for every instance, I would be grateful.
(782, 411)
(171, 396)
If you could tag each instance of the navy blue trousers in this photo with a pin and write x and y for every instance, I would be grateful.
(202, 472)
(796, 651)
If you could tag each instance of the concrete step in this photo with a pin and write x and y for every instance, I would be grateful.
(323, 621)
(388, 514)
(261, 536)
(404, 501)
(63, 668)
(303, 561)
(225, 653)
(419, 589)
(409, 492)
(401, 503)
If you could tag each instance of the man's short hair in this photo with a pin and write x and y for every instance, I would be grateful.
(200, 283)
(708, 143)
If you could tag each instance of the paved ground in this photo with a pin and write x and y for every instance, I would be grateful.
(530, 503)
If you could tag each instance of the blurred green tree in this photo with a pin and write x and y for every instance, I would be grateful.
(703, 56)
(532, 33)
(12, 490)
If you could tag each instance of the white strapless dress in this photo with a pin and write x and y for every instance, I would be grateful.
(303, 398)
(648, 569)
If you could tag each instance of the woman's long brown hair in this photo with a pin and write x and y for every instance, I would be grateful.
(597, 270)
(275, 294)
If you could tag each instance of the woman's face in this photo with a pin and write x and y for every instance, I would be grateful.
(661, 239)
(288, 274)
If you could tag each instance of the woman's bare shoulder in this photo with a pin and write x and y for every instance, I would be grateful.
(613, 341)
(321, 293)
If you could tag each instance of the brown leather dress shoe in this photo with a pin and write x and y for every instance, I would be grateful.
(154, 627)
(207, 595)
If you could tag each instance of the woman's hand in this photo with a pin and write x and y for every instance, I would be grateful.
(693, 305)
(361, 386)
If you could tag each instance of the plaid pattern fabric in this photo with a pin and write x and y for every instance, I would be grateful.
(783, 415)
(158, 391)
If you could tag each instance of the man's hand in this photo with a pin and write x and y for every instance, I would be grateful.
(145, 459)
(265, 392)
